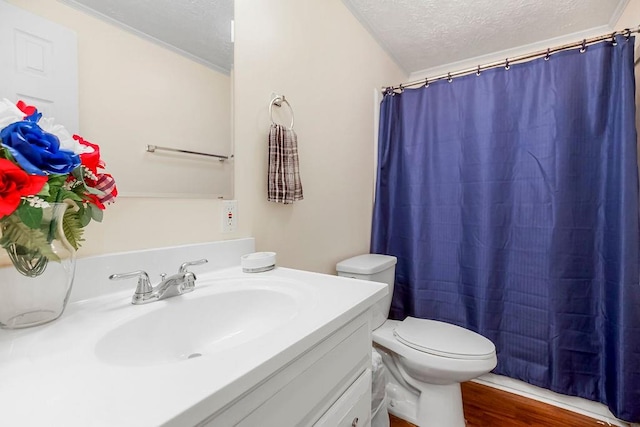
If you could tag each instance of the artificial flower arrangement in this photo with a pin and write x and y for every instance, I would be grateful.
(42, 164)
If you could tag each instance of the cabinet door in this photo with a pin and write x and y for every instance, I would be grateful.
(353, 408)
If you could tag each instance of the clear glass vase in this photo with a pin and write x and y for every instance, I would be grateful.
(35, 283)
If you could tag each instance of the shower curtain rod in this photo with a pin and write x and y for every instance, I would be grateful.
(509, 61)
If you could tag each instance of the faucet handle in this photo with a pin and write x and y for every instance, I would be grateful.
(184, 265)
(144, 284)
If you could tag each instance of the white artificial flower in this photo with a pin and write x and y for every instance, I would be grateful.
(66, 140)
(9, 113)
(36, 202)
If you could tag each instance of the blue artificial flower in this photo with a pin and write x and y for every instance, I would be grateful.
(37, 151)
(34, 117)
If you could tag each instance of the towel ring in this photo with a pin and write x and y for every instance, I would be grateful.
(277, 101)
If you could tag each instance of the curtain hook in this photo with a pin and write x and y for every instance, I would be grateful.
(426, 82)
(506, 64)
(548, 55)
(401, 88)
(627, 33)
(614, 42)
(449, 78)
(583, 47)
(478, 72)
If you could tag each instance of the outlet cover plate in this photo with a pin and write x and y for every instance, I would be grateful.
(229, 216)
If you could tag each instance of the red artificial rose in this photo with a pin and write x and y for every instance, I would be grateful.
(15, 183)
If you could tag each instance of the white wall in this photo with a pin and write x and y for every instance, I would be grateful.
(319, 56)
(313, 51)
(128, 88)
(630, 17)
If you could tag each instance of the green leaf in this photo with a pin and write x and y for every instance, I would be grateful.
(78, 173)
(29, 215)
(96, 213)
(95, 191)
(66, 194)
(72, 228)
(15, 231)
(84, 215)
(45, 190)
(7, 155)
(57, 180)
(55, 186)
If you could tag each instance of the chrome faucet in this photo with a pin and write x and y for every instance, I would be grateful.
(177, 284)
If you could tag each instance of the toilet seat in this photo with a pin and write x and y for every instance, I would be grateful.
(443, 339)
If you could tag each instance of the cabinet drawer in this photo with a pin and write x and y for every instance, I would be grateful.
(297, 402)
(353, 408)
(302, 391)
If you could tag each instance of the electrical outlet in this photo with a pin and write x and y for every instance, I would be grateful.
(229, 215)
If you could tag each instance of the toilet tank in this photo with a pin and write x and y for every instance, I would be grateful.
(376, 268)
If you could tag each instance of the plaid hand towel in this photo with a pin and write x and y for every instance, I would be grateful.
(284, 184)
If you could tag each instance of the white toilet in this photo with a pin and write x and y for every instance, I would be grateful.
(427, 359)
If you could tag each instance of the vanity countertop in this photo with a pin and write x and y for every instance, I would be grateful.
(57, 374)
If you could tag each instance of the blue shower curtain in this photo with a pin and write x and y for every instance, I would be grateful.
(511, 202)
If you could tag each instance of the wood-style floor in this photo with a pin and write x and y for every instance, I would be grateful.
(489, 407)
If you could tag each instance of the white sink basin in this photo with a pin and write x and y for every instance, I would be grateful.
(105, 359)
(200, 323)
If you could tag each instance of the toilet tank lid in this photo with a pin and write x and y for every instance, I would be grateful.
(366, 264)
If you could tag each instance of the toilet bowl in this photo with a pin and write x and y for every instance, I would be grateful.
(427, 359)
(427, 374)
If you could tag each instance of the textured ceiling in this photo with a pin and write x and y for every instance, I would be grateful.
(419, 34)
(425, 34)
(199, 28)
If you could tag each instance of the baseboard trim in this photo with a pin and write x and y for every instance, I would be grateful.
(575, 404)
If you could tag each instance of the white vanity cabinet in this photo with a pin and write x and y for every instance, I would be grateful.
(327, 386)
(281, 348)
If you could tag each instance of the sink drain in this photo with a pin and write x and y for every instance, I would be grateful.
(194, 355)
